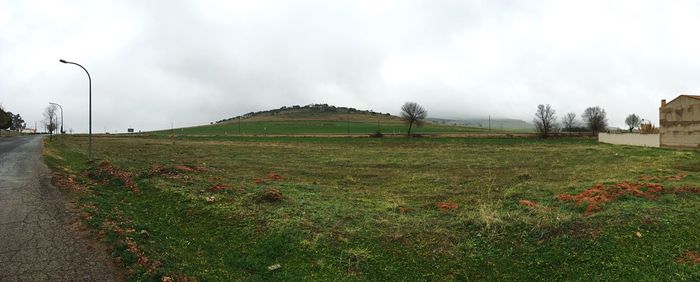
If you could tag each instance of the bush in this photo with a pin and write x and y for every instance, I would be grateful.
(376, 134)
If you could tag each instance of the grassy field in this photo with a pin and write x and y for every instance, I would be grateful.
(328, 123)
(229, 208)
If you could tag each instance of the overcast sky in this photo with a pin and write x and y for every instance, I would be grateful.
(192, 62)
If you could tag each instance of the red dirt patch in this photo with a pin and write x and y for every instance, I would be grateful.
(274, 176)
(446, 206)
(529, 203)
(270, 177)
(183, 168)
(218, 187)
(689, 257)
(404, 210)
(599, 194)
(161, 169)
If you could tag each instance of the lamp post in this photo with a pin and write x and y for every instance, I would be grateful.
(89, 107)
(59, 106)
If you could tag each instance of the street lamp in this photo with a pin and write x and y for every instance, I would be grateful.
(89, 107)
(59, 106)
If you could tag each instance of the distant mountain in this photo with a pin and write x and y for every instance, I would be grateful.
(495, 123)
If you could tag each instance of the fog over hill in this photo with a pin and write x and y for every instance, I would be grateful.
(493, 123)
(321, 111)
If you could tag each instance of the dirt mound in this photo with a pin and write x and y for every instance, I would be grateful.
(689, 257)
(270, 195)
(529, 203)
(600, 194)
(67, 181)
(270, 177)
(446, 206)
(274, 176)
(105, 170)
(218, 187)
(161, 169)
(62, 181)
(183, 168)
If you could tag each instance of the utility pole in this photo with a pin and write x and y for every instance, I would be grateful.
(89, 106)
(489, 122)
(59, 106)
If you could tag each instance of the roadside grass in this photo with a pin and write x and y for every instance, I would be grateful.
(231, 208)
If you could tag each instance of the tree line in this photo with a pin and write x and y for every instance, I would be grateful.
(11, 121)
(594, 120)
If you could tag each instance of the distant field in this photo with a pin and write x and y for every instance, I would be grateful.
(246, 208)
(320, 124)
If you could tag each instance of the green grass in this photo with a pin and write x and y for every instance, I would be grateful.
(318, 127)
(319, 123)
(365, 209)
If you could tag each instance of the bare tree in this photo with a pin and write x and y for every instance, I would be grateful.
(568, 121)
(50, 119)
(412, 113)
(633, 121)
(595, 118)
(545, 120)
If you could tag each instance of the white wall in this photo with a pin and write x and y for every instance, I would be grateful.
(647, 140)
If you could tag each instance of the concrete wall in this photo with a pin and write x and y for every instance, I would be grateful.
(647, 140)
(679, 122)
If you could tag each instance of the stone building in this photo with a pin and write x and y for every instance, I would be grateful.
(679, 122)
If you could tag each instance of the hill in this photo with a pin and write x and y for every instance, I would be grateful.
(309, 112)
(317, 119)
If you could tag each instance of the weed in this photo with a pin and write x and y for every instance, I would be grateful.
(355, 257)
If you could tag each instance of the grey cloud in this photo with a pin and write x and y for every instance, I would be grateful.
(191, 62)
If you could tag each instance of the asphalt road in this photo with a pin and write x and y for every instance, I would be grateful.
(39, 240)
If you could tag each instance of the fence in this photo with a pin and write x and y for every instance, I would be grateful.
(635, 139)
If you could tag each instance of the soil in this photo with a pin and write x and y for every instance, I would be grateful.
(600, 194)
(446, 206)
(529, 203)
(218, 187)
(270, 195)
(689, 257)
(107, 168)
